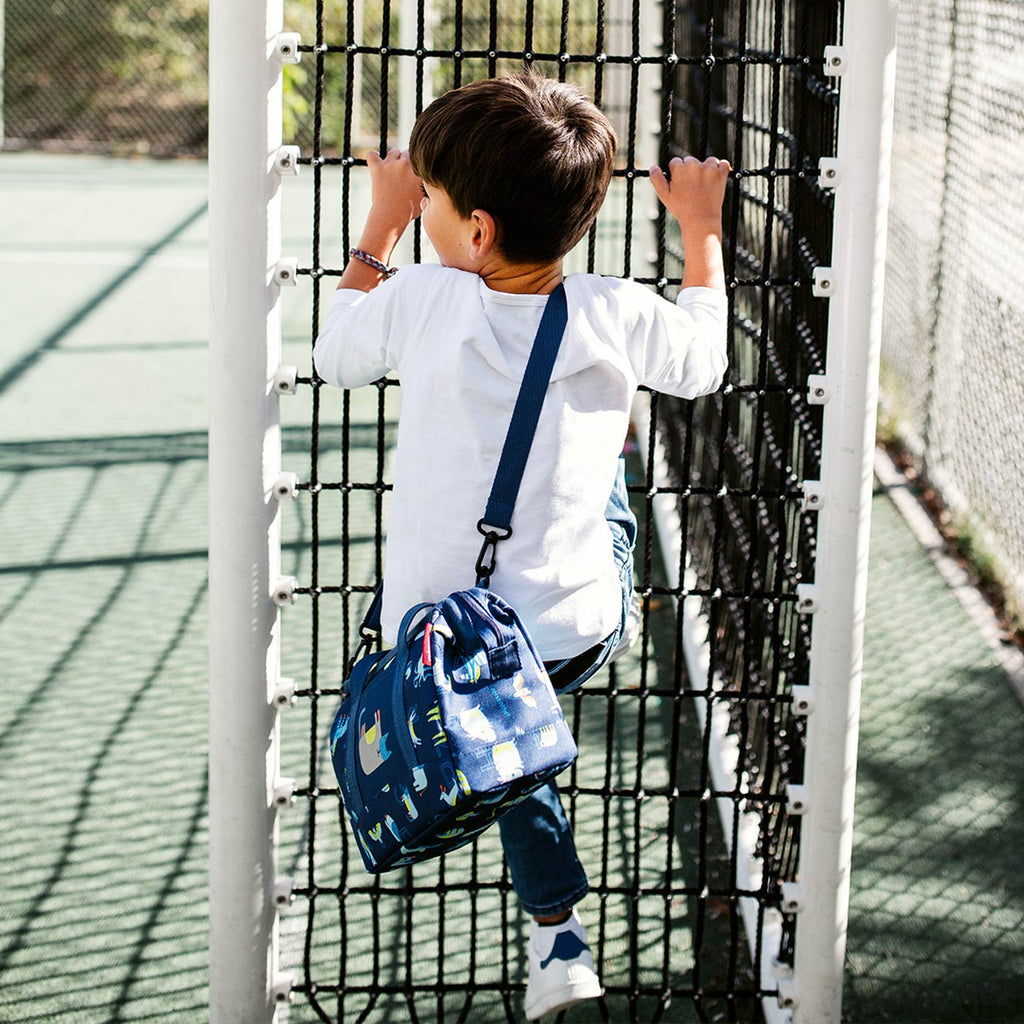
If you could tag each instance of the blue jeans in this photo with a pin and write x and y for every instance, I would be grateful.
(536, 834)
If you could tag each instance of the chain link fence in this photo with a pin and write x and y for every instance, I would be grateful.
(129, 77)
(122, 76)
(953, 354)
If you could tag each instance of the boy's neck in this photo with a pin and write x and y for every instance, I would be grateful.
(522, 279)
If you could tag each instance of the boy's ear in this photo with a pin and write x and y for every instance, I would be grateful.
(484, 234)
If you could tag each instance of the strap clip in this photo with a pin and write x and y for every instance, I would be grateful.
(486, 560)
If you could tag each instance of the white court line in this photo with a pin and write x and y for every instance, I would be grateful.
(121, 259)
(959, 582)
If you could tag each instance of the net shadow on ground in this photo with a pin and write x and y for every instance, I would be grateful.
(104, 731)
(937, 904)
(13, 373)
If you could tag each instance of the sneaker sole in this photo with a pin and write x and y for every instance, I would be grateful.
(565, 997)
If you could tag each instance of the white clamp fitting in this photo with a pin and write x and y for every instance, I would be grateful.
(828, 172)
(286, 486)
(787, 994)
(287, 48)
(807, 602)
(286, 271)
(285, 379)
(835, 61)
(814, 496)
(792, 897)
(819, 391)
(286, 160)
(796, 799)
(284, 793)
(281, 990)
(803, 702)
(284, 695)
(284, 591)
(283, 892)
(823, 285)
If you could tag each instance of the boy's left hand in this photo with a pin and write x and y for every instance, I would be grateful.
(396, 191)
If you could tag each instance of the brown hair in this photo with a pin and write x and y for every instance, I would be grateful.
(534, 153)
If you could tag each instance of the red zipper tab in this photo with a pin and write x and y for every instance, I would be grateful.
(427, 659)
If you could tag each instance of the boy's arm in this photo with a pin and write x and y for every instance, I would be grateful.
(693, 192)
(683, 347)
(396, 193)
(352, 347)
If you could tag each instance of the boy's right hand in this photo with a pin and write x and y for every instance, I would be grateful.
(395, 189)
(693, 192)
(395, 194)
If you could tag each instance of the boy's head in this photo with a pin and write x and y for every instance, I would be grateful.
(534, 153)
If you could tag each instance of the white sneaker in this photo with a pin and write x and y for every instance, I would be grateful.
(631, 629)
(561, 967)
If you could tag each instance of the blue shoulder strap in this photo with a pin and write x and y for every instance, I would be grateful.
(526, 413)
(497, 521)
(496, 524)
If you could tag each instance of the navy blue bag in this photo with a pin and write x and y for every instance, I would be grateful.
(458, 722)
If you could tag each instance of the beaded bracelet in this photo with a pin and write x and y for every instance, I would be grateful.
(372, 261)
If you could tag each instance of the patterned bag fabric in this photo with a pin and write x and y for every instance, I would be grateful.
(444, 732)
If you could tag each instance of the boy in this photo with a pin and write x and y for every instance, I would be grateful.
(508, 174)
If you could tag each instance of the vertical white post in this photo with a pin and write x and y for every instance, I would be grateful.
(356, 85)
(245, 132)
(408, 30)
(854, 337)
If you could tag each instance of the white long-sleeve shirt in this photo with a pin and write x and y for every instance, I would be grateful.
(459, 350)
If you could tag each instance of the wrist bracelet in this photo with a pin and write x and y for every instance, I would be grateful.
(372, 261)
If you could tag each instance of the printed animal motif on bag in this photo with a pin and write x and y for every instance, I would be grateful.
(438, 752)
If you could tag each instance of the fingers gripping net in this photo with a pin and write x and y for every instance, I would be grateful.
(666, 918)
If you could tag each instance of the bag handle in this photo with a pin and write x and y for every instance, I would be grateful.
(496, 524)
(357, 679)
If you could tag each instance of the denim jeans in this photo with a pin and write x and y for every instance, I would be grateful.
(536, 835)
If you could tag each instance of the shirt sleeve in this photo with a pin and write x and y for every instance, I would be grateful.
(357, 342)
(683, 345)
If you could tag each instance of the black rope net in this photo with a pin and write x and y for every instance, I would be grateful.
(445, 940)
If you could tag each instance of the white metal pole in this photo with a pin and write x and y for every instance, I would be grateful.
(245, 133)
(356, 84)
(850, 388)
(408, 30)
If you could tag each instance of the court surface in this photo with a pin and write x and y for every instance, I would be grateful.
(103, 729)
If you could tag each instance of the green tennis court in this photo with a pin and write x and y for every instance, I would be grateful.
(104, 726)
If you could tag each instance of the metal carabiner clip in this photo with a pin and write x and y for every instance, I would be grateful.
(487, 559)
